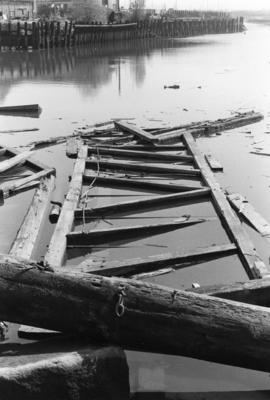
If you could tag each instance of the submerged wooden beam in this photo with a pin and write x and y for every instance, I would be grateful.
(213, 163)
(30, 229)
(21, 108)
(255, 268)
(136, 315)
(114, 234)
(256, 291)
(137, 132)
(140, 265)
(119, 152)
(244, 208)
(138, 204)
(148, 185)
(57, 247)
(148, 167)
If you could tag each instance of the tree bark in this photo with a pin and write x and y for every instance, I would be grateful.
(136, 314)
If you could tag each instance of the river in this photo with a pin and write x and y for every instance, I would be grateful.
(218, 75)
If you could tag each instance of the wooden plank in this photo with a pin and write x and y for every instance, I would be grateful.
(256, 291)
(149, 185)
(139, 154)
(134, 314)
(175, 147)
(255, 268)
(21, 108)
(13, 161)
(137, 132)
(57, 247)
(244, 208)
(119, 233)
(214, 164)
(27, 235)
(260, 153)
(148, 167)
(72, 147)
(31, 162)
(174, 261)
(139, 204)
(9, 189)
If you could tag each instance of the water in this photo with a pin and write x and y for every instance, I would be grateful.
(218, 75)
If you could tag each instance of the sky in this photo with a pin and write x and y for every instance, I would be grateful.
(210, 4)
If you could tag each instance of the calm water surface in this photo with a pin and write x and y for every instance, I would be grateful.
(218, 75)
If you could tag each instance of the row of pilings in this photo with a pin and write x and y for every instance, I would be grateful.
(42, 35)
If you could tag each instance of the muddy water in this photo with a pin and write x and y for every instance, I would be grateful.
(218, 75)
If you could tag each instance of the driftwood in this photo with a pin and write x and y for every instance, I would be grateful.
(136, 314)
(137, 132)
(127, 232)
(13, 161)
(21, 108)
(213, 163)
(173, 261)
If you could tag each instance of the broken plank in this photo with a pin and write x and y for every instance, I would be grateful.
(213, 163)
(120, 233)
(140, 204)
(30, 162)
(13, 161)
(57, 247)
(244, 208)
(137, 132)
(155, 168)
(150, 185)
(255, 268)
(27, 235)
(11, 188)
(19, 130)
(72, 147)
(176, 147)
(156, 262)
(139, 154)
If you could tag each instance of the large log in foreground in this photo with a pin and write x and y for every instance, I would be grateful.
(136, 314)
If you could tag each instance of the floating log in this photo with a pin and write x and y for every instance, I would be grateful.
(213, 163)
(149, 185)
(19, 130)
(244, 208)
(139, 154)
(57, 247)
(260, 153)
(220, 125)
(137, 132)
(27, 235)
(139, 204)
(139, 265)
(22, 108)
(13, 161)
(9, 189)
(133, 314)
(255, 268)
(155, 168)
(64, 371)
(114, 234)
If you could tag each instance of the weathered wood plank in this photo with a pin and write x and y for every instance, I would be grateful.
(9, 189)
(72, 147)
(137, 132)
(244, 208)
(133, 314)
(23, 108)
(149, 185)
(159, 261)
(31, 162)
(119, 233)
(213, 163)
(139, 154)
(155, 168)
(139, 204)
(57, 247)
(255, 268)
(256, 291)
(153, 148)
(13, 161)
(29, 231)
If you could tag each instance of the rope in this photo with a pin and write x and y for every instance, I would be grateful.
(120, 307)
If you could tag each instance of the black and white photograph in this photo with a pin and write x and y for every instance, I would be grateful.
(134, 199)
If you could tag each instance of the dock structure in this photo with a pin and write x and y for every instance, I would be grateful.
(172, 175)
(52, 34)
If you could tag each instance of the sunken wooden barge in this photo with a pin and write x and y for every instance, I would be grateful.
(134, 192)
